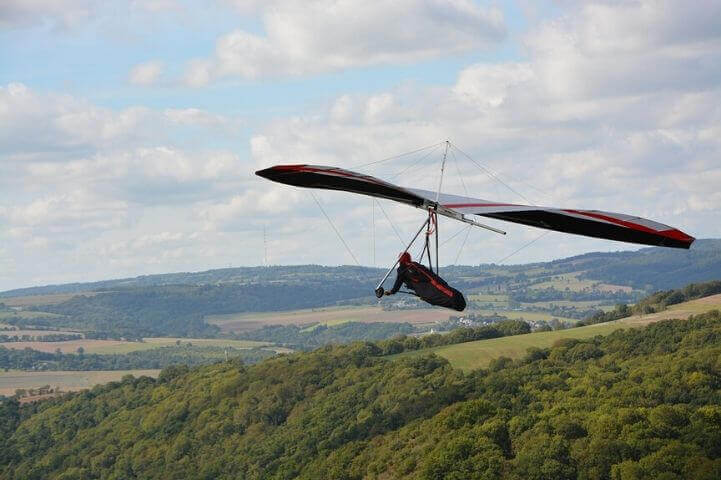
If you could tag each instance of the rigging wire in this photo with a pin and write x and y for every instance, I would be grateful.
(460, 230)
(458, 170)
(492, 174)
(421, 173)
(522, 247)
(396, 156)
(391, 222)
(415, 163)
(334, 229)
(468, 231)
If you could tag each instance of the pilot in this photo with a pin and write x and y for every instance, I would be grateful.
(425, 284)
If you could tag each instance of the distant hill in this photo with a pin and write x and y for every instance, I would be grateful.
(177, 304)
(647, 269)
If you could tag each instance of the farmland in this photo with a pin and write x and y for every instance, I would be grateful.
(327, 316)
(572, 282)
(66, 381)
(120, 346)
(47, 299)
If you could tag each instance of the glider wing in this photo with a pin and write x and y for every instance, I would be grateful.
(590, 223)
(333, 178)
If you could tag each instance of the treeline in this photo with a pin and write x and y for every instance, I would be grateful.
(637, 404)
(656, 302)
(28, 359)
(47, 337)
(309, 338)
(459, 335)
(179, 310)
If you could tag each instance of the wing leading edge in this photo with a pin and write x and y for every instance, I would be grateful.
(590, 223)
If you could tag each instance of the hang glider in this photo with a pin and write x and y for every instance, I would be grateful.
(589, 223)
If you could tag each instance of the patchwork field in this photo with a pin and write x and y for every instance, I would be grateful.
(119, 346)
(571, 282)
(34, 300)
(66, 381)
(471, 355)
(524, 315)
(330, 316)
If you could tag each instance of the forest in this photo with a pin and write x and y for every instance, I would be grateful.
(637, 404)
(29, 359)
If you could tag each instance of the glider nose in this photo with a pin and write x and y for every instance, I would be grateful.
(265, 173)
(273, 173)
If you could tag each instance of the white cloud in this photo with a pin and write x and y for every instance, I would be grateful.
(147, 73)
(615, 107)
(323, 35)
(598, 116)
(74, 176)
(61, 13)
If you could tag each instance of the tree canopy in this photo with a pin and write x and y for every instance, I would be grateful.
(640, 403)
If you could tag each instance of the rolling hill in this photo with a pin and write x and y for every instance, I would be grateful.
(472, 355)
(638, 404)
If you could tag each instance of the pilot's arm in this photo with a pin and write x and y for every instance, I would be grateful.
(399, 282)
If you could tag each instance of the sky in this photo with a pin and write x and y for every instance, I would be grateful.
(130, 131)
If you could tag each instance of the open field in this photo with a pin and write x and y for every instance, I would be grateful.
(571, 282)
(523, 315)
(566, 303)
(67, 381)
(119, 346)
(330, 316)
(150, 343)
(34, 300)
(471, 355)
(682, 310)
(499, 300)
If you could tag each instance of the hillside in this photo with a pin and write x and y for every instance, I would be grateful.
(189, 304)
(637, 404)
(648, 269)
(478, 354)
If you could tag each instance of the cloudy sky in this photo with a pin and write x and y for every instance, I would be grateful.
(130, 130)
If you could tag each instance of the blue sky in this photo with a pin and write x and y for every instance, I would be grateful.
(129, 131)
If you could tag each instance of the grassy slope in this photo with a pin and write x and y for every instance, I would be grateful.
(471, 355)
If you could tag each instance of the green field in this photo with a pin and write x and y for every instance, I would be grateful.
(566, 303)
(523, 315)
(489, 298)
(472, 355)
(67, 381)
(150, 343)
(571, 282)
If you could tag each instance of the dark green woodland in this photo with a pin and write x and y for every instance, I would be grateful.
(637, 404)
